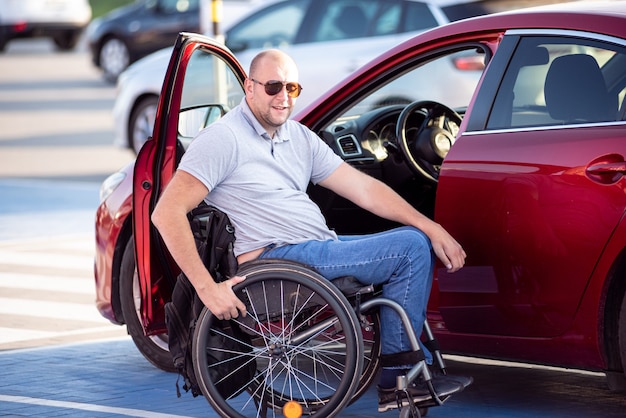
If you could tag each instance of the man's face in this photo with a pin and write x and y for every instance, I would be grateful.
(271, 110)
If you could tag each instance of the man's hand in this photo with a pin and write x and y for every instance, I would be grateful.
(221, 300)
(447, 249)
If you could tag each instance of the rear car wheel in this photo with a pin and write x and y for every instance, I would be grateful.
(154, 347)
(141, 122)
(114, 58)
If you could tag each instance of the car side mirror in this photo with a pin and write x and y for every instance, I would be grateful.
(193, 119)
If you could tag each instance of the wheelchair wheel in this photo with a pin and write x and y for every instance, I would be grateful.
(301, 336)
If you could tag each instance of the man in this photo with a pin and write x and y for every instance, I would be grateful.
(255, 164)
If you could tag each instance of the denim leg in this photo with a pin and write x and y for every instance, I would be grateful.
(400, 259)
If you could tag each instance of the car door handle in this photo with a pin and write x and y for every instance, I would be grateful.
(607, 172)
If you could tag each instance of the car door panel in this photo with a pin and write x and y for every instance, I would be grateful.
(518, 197)
(201, 74)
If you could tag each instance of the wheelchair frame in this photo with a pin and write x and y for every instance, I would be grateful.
(306, 341)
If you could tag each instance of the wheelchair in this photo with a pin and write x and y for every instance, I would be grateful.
(308, 340)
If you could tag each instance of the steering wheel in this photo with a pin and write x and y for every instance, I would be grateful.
(426, 146)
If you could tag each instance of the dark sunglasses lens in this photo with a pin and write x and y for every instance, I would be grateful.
(273, 87)
(293, 89)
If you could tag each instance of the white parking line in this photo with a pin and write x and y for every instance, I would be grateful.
(56, 310)
(11, 335)
(87, 407)
(66, 261)
(84, 286)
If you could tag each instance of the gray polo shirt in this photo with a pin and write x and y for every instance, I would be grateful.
(261, 182)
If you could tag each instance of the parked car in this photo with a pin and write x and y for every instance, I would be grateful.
(131, 32)
(61, 20)
(329, 38)
(527, 174)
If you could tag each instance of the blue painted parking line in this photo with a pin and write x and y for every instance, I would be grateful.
(41, 208)
(110, 378)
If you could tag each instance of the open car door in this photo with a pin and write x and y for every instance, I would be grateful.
(203, 81)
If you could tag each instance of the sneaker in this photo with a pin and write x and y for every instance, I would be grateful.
(444, 387)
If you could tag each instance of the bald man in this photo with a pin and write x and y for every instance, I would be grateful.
(255, 164)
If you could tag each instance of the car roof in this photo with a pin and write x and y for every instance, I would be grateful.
(605, 17)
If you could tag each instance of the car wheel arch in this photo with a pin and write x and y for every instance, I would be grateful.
(124, 237)
(614, 323)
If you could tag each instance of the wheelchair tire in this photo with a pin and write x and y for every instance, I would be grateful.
(303, 336)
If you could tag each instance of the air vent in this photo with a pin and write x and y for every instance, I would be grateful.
(349, 146)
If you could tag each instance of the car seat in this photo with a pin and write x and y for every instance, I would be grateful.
(352, 21)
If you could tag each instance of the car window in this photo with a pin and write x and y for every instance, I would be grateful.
(347, 19)
(450, 79)
(274, 26)
(560, 81)
(418, 17)
(210, 90)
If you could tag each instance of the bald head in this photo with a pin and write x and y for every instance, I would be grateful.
(273, 58)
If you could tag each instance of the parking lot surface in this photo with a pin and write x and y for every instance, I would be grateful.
(111, 379)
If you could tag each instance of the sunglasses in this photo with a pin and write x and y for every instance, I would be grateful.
(273, 87)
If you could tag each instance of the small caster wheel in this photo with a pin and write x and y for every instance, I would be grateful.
(410, 411)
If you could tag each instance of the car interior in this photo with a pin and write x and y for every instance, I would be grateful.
(556, 81)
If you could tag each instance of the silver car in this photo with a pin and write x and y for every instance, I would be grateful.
(329, 39)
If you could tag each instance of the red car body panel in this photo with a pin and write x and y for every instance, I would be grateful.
(544, 267)
(112, 216)
(546, 297)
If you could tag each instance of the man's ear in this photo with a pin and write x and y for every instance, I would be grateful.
(248, 85)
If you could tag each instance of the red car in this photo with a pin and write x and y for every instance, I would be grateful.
(527, 174)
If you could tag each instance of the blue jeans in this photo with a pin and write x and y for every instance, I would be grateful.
(400, 259)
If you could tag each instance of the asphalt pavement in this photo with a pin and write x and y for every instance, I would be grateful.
(110, 378)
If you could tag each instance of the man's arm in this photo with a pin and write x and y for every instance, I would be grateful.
(378, 198)
(182, 194)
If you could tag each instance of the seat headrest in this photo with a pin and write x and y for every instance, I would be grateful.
(352, 21)
(575, 90)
